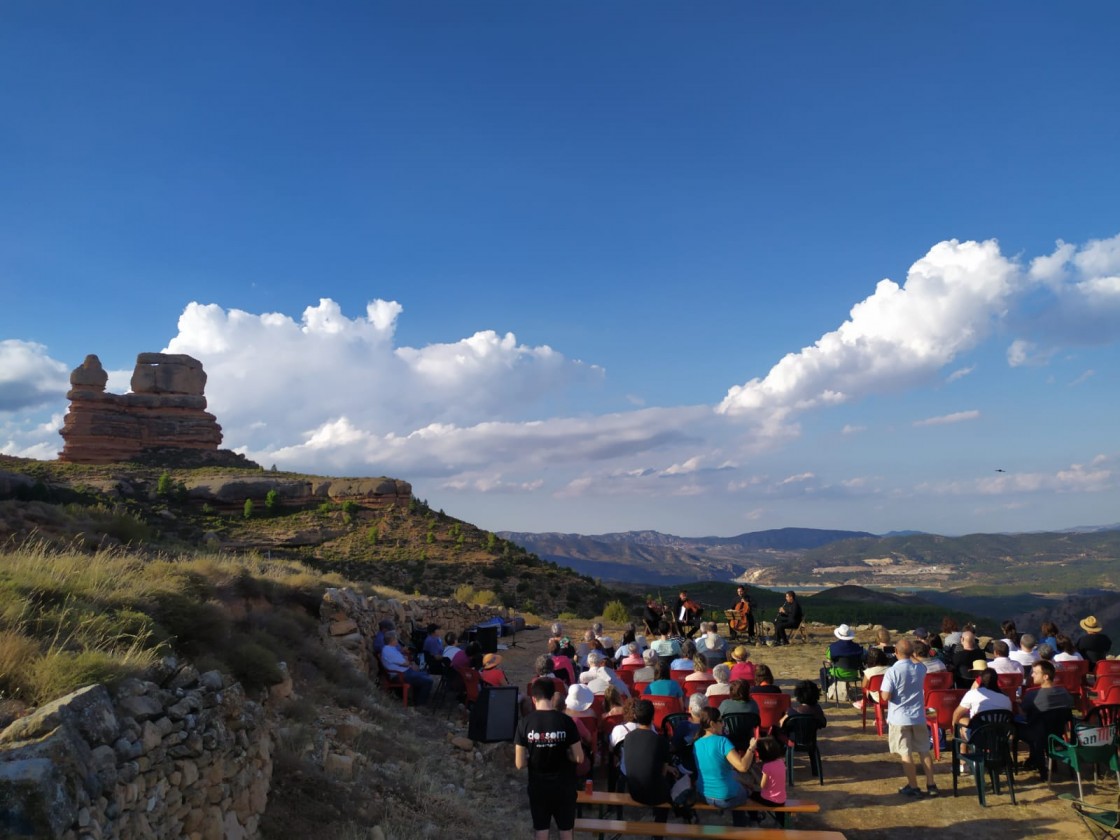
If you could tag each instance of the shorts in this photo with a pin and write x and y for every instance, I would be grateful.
(904, 741)
(552, 798)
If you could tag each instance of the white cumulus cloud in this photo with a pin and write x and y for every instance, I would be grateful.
(947, 419)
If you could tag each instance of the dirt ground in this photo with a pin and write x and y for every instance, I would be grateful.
(859, 796)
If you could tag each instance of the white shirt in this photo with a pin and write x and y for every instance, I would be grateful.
(1005, 665)
(392, 660)
(933, 664)
(1026, 659)
(980, 699)
(1067, 657)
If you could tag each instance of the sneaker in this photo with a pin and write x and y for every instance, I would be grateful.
(906, 790)
(933, 791)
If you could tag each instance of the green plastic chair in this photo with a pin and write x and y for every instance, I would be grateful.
(1101, 822)
(987, 753)
(1092, 746)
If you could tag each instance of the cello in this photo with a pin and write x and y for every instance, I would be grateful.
(740, 619)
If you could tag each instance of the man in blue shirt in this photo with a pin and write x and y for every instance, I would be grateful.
(904, 689)
(433, 648)
(394, 662)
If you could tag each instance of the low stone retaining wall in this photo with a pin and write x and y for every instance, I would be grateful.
(183, 755)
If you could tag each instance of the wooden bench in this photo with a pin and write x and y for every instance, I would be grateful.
(726, 832)
(607, 799)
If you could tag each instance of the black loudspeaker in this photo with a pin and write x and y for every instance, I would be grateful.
(487, 637)
(494, 714)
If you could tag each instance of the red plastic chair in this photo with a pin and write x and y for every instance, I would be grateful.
(1107, 667)
(880, 706)
(715, 699)
(1011, 685)
(1107, 685)
(663, 706)
(940, 706)
(1070, 679)
(697, 687)
(394, 682)
(1078, 666)
(679, 677)
(627, 676)
(598, 705)
(937, 681)
(471, 681)
(640, 687)
(771, 709)
(631, 667)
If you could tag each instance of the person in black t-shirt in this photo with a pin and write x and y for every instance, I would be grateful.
(1094, 645)
(547, 742)
(647, 762)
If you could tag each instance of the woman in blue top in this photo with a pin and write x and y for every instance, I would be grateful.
(716, 763)
(664, 686)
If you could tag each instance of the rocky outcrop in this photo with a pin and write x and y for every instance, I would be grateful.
(165, 411)
(228, 491)
(188, 756)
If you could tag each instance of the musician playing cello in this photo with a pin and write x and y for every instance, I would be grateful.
(742, 622)
(689, 612)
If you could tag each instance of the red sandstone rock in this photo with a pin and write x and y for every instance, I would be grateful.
(165, 411)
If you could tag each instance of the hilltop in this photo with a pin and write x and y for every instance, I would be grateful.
(367, 529)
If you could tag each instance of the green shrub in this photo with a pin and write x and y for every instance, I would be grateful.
(58, 673)
(163, 486)
(464, 593)
(616, 613)
(254, 665)
(271, 501)
(247, 510)
(485, 598)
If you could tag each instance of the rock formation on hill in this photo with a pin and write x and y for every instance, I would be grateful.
(163, 419)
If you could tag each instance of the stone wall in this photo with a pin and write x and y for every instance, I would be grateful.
(350, 620)
(181, 755)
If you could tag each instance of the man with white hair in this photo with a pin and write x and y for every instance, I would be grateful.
(598, 676)
(648, 673)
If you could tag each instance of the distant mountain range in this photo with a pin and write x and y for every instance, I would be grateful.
(665, 559)
(1060, 561)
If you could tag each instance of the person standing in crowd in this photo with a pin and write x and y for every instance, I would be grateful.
(903, 689)
(547, 743)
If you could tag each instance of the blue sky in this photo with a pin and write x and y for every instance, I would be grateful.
(589, 267)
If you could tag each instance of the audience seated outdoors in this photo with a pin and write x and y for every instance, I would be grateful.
(806, 703)
(844, 659)
(713, 650)
(717, 763)
(561, 662)
(664, 645)
(722, 684)
(1037, 708)
(964, 655)
(395, 663)
(664, 685)
(984, 697)
(1027, 654)
(1010, 635)
(924, 655)
(1066, 651)
(876, 666)
(1094, 645)
(491, 672)
(739, 699)
(645, 755)
(614, 703)
(683, 662)
(577, 705)
(742, 668)
(598, 675)
(764, 681)
(699, 670)
(648, 673)
(950, 633)
(453, 653)
(1048, 635)
(1001, 663)
(631, 655)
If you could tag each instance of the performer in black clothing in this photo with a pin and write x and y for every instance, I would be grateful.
(652, 616)
(789, 617)
(742, 622)
(688, 614)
